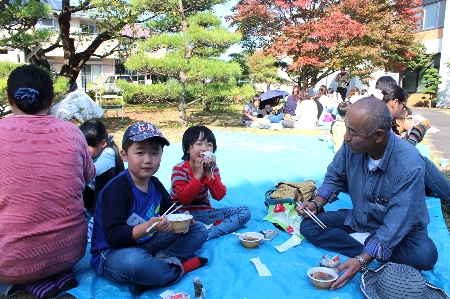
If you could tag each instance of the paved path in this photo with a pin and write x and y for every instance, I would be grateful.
(440, 118)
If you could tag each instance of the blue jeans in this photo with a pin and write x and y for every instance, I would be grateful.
(436, 181)
(416, 249)
(232, 218)
(156, 262)
(5, 289)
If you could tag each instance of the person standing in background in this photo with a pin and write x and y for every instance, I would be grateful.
(343, 80)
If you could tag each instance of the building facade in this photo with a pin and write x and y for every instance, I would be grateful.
(437, 42)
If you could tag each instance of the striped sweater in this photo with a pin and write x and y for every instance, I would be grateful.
(416, 134)
(190, 192)
(45, 165)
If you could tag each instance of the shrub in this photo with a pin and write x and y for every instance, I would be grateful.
(170, 92)
(146, 94)
(431, 80)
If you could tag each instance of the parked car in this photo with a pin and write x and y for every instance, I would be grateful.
(111, 82)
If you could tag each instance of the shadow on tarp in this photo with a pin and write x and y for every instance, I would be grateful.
(249, 166)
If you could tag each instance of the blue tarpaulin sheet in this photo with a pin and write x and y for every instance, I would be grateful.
(251, 164)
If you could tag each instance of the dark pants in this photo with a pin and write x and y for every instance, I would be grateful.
(416, 249)
(342, 91)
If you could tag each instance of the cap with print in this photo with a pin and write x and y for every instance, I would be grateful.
(141, 131)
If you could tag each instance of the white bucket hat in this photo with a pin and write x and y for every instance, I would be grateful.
(392, 281)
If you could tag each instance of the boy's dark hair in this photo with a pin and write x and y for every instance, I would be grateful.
(192, 134)
(343, 108)
(95, 132)
(384, 81)
(30, 88)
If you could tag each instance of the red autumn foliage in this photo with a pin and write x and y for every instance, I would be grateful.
(322, 35)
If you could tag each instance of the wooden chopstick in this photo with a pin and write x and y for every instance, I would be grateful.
(156, 223)
(174, 210)
(168, 209)
(312, 216)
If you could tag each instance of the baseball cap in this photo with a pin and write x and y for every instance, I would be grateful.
(141, 131)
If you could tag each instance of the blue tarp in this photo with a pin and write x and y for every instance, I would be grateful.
(250, 165)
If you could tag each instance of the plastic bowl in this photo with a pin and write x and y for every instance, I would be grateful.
(320, 283)
(179, 222)
(251, 240)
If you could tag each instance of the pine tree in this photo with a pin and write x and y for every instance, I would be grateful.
(194, 39)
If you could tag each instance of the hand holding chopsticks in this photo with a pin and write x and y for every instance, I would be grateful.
(156, 223)
(312, 216)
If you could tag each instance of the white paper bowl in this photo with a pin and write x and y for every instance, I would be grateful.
(179, 222)
(322, 284)
(247, 239)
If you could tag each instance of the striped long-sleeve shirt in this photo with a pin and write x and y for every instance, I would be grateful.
(194, 194)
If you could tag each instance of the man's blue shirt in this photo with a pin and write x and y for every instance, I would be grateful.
(388, 201)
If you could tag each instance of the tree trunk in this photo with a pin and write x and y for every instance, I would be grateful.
(182, 107)
(40, 60)
(73, 61)
(67, 42)
(182, 119)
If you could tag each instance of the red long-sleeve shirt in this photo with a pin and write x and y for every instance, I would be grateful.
(190, 192)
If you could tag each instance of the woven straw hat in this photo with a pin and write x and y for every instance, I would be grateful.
(392, 281)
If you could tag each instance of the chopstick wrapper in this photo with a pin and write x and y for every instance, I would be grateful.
(293, 241)
(260, 267)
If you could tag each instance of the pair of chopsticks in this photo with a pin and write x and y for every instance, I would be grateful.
(156, 223)
(313, 217)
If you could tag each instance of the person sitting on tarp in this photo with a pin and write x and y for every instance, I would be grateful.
(338, 129)
(291, 104)
(384, 177)
(250, 116)
(45, 165)
(306, 113)
(106, 157)
(271, 109)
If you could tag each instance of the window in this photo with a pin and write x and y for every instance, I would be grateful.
(48, 24)
(433, 15)
(89, 72)
(89, 29)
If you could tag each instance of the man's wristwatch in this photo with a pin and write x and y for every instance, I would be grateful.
(363, 264)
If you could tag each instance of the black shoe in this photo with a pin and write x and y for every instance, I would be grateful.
(138, 289)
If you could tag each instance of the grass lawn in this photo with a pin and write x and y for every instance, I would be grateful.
(223, 116)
